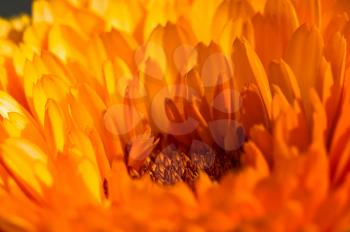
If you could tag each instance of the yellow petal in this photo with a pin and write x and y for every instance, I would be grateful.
(20, 126)
(81, 145)
(28, 164)
(48, 87)
(42, 11)
(8, 104)
(55, 124)
(202, 27)
(119, 44)
(65, 43)
(90, 176)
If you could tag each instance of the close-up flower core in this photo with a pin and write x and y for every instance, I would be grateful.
(175, 115)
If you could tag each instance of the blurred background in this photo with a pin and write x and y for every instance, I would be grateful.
(10, 8)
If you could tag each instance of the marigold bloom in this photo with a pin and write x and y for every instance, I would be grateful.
(189, 115)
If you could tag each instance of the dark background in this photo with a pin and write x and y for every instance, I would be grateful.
(10, 8)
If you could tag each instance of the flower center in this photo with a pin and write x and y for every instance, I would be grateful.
(174, 162)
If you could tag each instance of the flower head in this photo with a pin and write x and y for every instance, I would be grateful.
(214, 115)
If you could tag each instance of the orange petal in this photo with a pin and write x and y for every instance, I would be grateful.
(281, 75)
(308, 41)
(275, 27)
(249, 70)
(309, 11)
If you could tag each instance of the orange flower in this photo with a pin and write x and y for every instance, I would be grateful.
(189, 115)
